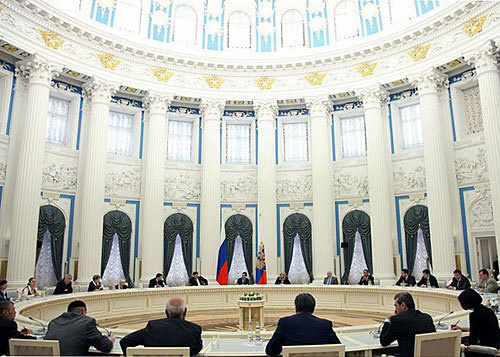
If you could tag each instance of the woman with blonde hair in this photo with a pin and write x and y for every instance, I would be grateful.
(282, 279)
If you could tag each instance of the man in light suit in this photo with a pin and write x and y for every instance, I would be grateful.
(330, 279)
(486, 283)
(303, 328)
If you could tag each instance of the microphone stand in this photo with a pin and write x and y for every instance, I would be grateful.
(38, 332)
(376, 334)
(442, 326)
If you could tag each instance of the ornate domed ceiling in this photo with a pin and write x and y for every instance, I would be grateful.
(250, 26)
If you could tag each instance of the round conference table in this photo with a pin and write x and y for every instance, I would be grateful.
(136, 303)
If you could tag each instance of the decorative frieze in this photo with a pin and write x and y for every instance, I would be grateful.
(243, 188)
(124, 182)
(59, 176)
(184, 186)
(472, 170)
(412, 180)
(297, 188)
(349, 184)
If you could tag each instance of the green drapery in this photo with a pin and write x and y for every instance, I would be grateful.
(416, 217)
(294, 224)
(117, 222)
(177, 224)
(356, 221)
(240, 225)
(51, 219)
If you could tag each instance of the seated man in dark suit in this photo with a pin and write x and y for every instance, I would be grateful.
(406, 279)
(303, 328)
(405, 324)
(4, 296)
(8, 327)
(330, 279)
(427, 280)
(173, 331)
(95, 284)
(459, 281)
(76, 332)
(243, 280)
(366, 278)
(157, 281)
(64, 286)
(197, 280)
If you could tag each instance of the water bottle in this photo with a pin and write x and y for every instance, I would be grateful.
(258, 337)
(250, 332)
(217, 341)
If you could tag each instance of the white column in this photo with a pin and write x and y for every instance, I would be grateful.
(98, 95)
(439, 198)
(322, 226)
(266, 182)
(151, 223)
(211, 112)
(382, 214)
(37, 75)
(488, 78)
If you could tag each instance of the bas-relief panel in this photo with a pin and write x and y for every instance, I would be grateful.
(294, 186)
(182, 185)
(60, 173)
(470, 166)
(350, 182)
(481, 210)
(408, 175)
(123, 181)
(238, 186)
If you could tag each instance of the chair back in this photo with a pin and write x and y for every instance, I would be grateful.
(158, 351)
(314, 350)
(438, 344)
(21, 347)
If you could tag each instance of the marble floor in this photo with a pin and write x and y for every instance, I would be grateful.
(227, 320)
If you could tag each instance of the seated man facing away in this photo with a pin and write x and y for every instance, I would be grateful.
(197, 280)
(303, 328)
(487, 284)
(64, 286)
(406, 279)
(8, 327)
(366, 278)
(95, 284)
(76, 332)
(427, 280)
(330, 279)
(459, 282)
(173, 331)
(157, 281)
(405, 324)
(243, 280)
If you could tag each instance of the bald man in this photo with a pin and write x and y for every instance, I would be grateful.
(172, 331)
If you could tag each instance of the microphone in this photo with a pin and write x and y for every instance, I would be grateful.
(105, 329)
(376, 334)
(39, 332)
(441, 326)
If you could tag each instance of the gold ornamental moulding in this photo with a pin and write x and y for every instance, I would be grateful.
(474, 25)
(419, 52)
(366, 69)
(214, 81)
(316, 78)
(162, 74)
(265, 82)
(51, 39)
(108, 61)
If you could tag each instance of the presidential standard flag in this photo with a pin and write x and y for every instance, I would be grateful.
(260, 274)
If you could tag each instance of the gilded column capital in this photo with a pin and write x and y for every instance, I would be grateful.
(265, 109)
(373, 97)
(98, 91)
(212, 109)
(319, 106)
(36, 70)
(157, 103)
(430, 82)
(485, 59)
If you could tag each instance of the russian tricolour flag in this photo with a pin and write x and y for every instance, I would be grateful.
(260, 273)
(222, 268)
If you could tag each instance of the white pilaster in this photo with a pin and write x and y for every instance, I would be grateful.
(94, 150)
(151, 227)
(382, 214)
(488, 77)
(322, 227)
(37, 74)
(211, 112)
(266, 181)
(430, 84)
